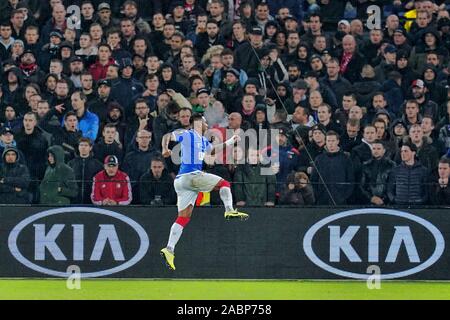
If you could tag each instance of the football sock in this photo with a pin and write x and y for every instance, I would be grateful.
(227, 198)
(176, 231)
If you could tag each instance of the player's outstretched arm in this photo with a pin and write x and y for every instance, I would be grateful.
(166, 152)
(219, 147)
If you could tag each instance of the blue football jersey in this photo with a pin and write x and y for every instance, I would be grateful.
(193, 149)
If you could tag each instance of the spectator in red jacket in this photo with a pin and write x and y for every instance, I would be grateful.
(111, 186)
(99, 68)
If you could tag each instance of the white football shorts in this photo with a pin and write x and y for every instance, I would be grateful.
(188, 186)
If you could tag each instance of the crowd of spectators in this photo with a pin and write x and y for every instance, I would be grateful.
(362, 114)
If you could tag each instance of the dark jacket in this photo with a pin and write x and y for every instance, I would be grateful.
(339, 87)
(101, 150)
(68, 140)
(15, 176)
(125, 91)
(252, 187)
(85, 169)
(135, 164)
(34, 147)
(408, 184)
(440, 195)
(354, 68)
(150, 187)
(337, 173)
(374, 179)
(58, 175)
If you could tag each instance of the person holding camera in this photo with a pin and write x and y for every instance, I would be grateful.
(298, 190)
(156, 185)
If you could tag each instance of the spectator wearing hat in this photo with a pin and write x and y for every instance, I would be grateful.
(104, 15)
(408, 182)
(387, 63)
(317, 65)
(51, 50)
(127, 89)
(351, 61)
(430, 41)
(316, 147)
(421, 96)
(436, 91)
(230, 90)
(111, 186)
(13, 89)
(30, 68)
(400, 39)
(245, 54)
(76, 68)
(7, 141)
(58, 187)
(14, 178)
(336, 182)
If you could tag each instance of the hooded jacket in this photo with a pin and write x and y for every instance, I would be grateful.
(252, 187)
(58, 186)
(15, 179)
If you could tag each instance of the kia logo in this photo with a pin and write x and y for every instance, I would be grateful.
(346, 243)
(93, 238)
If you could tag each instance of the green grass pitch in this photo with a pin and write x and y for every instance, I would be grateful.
(220, 290)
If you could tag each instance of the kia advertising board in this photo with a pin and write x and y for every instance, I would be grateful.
(275, 243)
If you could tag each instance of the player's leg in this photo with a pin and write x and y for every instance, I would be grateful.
(168, 253)
(226, 196)
(185, 203)
(209, 182)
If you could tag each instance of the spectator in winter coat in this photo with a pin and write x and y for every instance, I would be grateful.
(14, 179)
(108, 144)
(440, 192)
(137, 160)
(127, 89)
(68, 136)
(298, 190)
(375, 175)
(85, 167)
(408, 182)
(58, 186)
(156, 185)
(33, 144)
(250, 186)
(336, 171)
(111, 186)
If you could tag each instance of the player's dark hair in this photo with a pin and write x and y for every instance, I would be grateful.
(195, 117)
